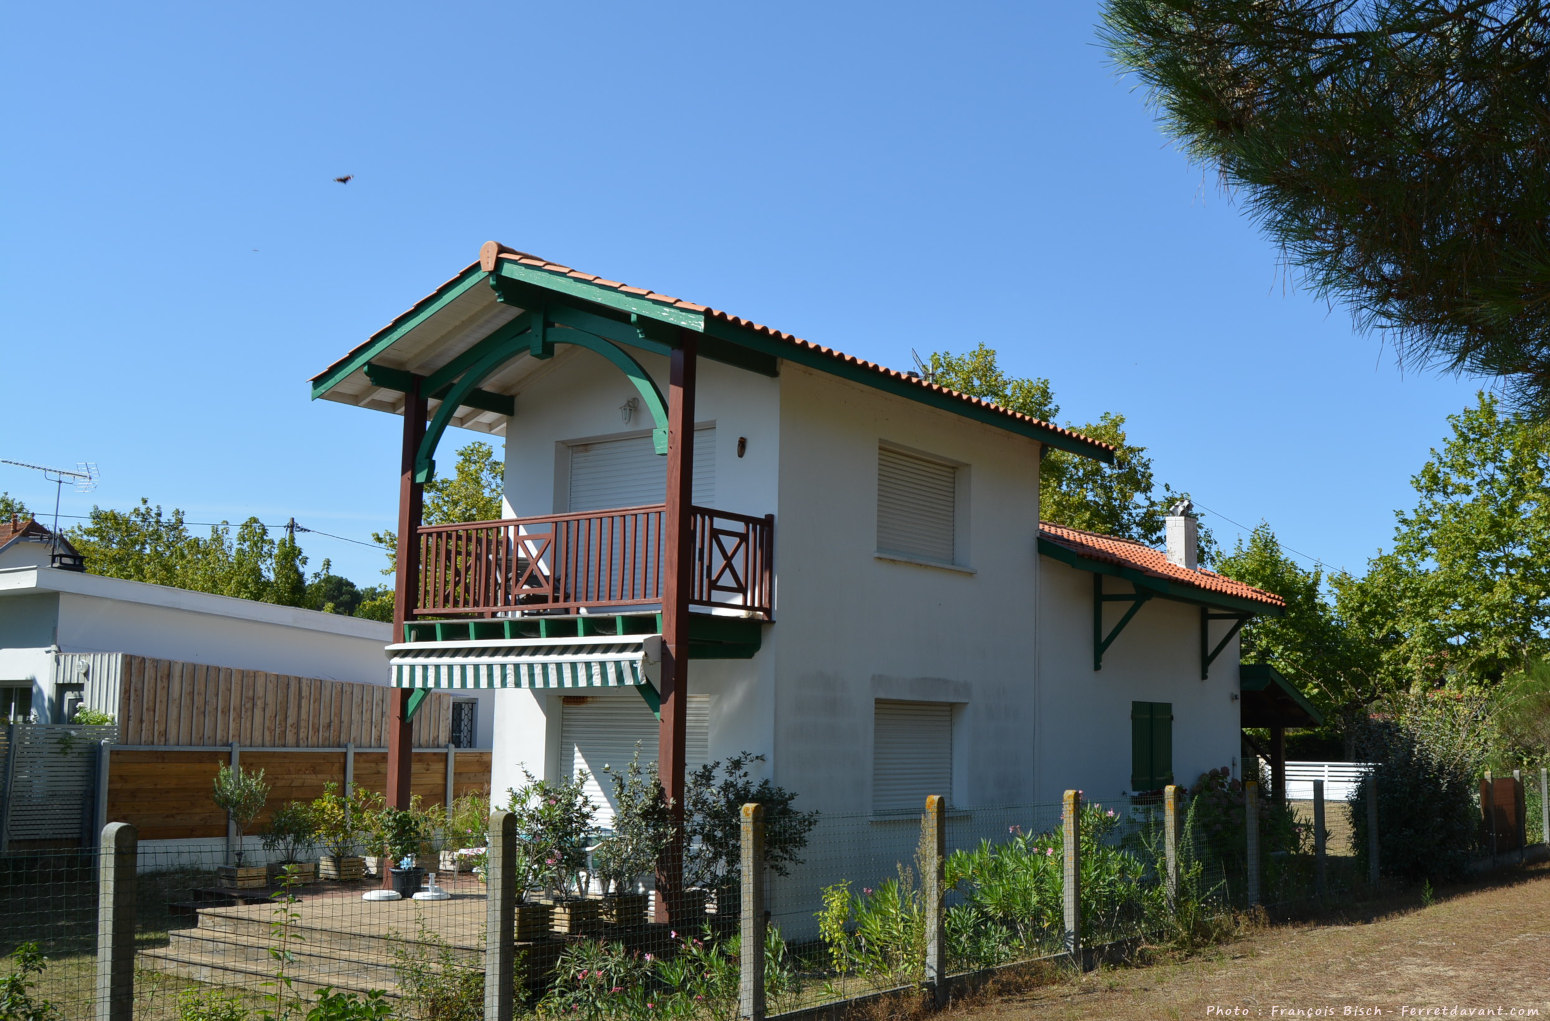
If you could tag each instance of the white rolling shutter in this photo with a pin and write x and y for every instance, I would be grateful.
(630, 473)
(604, 729)
(916, 501)
(912, 754)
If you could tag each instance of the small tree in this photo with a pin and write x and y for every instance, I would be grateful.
(643, 826)
(241, 796)
(292, 831)
(713, 823)
(336, 821)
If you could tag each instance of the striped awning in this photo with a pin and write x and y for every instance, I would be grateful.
(601, 662)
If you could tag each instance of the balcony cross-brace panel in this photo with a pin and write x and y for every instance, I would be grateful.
(1101, 642)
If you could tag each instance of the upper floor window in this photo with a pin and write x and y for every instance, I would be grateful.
(917, 506)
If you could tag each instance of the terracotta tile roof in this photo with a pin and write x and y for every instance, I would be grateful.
(15, 527)
(492, 252)
(1150, 562)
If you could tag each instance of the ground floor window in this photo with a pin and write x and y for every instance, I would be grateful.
(1151, 745)
(16, 701)
(912, 754)
(598, 731)
(68, 698)
(465, 723)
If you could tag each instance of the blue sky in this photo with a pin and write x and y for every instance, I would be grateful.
(176, 260)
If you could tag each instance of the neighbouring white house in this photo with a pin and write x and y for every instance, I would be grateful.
(64, 635)
(29, 543)
(720, 537)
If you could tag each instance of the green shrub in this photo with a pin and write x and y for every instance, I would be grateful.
(1427, 820)
(713, 824)
(17, 1000)
(433, 984)
(210, 1005)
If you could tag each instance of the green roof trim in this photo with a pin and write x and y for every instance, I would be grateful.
(390, 334)
(1158, 586)
(1257, 677)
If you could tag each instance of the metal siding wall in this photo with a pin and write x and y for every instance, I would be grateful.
(99, 672)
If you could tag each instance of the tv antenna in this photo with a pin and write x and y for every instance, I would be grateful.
(84, 480)
(921, 368)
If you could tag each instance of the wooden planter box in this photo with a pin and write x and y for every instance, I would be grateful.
(533, 921)
(349, 868)
(576, 917)
(627, 909)
(373, 865)
(243, 877)
(304, 871)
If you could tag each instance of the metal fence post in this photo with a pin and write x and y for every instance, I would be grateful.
(349, 768)
(1071, 892)
(751, 958)
(451, 775)
(231, 824)
(1520, 833)
(500, 874)
(1320, 865)
(1251, 832)
(1171, 845)
(104, 761)
(116, 922)
(932, 880)
(1372, 832)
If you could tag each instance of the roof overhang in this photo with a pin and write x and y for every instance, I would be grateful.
(429, 340)
(1166, 588)
(1268, 699)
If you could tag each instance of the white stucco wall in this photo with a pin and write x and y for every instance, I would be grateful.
(854, 627)
(1083, 739)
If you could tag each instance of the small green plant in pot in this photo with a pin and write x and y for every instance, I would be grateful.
(404, 831)
(337, 822)
(643, 827)
(291, 835)
(241, 796)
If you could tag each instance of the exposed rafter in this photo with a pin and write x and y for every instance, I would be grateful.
(480, 400)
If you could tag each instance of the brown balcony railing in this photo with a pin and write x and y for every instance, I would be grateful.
(592, 560)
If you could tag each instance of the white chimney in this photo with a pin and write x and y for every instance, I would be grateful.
(1183, 535)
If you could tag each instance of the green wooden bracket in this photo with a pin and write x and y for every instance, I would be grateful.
(1101, 642)
(398, 379)
(417, 698)
(1207, 654)
(653, 700)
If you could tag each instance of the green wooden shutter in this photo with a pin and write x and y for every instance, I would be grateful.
(1151, 745)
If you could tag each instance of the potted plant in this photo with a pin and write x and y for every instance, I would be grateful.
(366, 809)
(241, 796)
(292, 832)
(404, 834)
(336, 822)
(643, 827)
(556, 819)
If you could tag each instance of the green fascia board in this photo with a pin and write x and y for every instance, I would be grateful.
(602, 295)
(402, 381)
(771, 346)
(1254, 677)
(390, 335)
(1158, 586)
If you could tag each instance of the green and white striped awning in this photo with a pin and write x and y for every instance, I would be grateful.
(600, 662)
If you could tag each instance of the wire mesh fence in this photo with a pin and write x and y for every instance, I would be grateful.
(848, 906)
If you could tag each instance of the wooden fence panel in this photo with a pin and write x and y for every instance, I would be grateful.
(165, 702)
(471, 772)
(166, 794)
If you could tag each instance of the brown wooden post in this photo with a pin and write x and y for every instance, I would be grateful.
(677, 563)
(406, 581)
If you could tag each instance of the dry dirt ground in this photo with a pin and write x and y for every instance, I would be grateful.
(1480, 947)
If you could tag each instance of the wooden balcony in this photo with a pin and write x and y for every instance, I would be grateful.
(598, 560)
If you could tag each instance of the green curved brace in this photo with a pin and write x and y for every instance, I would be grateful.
(535, 341)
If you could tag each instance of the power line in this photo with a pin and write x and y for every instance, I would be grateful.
(276, 528)
(1315, 561)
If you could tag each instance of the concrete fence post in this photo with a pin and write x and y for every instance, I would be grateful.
(751, 958)
(1071, 891)
(104, 761)
(500, 874)
(451, 775)
(349, 768)
(1251, 836)
(1489, 804)
(1521, 833)
(1372, 832)
(231, 824)
(1171, 845)
(932, 881)
(116, 922)
(1544, 803)
(1320, 864)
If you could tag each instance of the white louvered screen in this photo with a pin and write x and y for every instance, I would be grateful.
(916, 500)
(912, 754)
(629, 473)
(603, 731)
